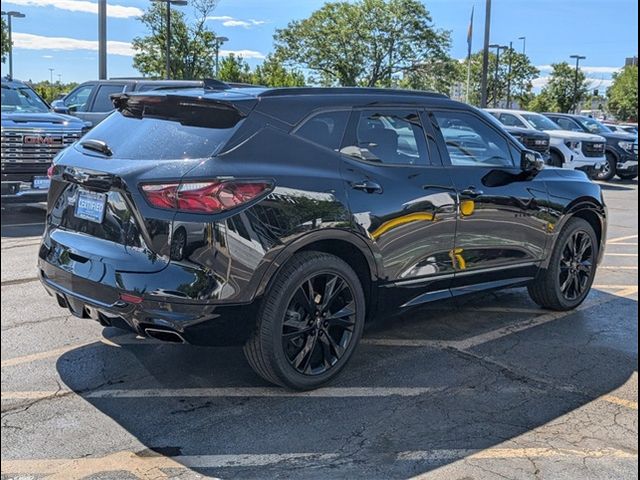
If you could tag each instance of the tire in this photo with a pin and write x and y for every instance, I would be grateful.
(289, 325)
(547, 290)
(608, 170)
(628, 176)
(556, 159)
(178, 244)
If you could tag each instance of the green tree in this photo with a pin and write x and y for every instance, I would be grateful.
(623, 94)
(272, 73)
(234, 69)
(362, 43)
(438, 75)
(522, 74)
(4, 40)
(50, 91)
(192, 55)
(561, 89)
(541, 103)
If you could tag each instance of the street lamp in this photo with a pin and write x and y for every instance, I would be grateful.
(575, 81)
(509, 75)
(218, 41)
(524, 44)
(168, 20)
(495, 87)
(10, 15)
(51, 74)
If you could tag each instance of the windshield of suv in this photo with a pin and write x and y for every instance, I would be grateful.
(540, 122)
(22, 100)
(593, 125)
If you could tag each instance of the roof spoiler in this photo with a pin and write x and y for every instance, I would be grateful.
(187, 110)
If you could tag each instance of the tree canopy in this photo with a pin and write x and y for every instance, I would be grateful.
(560, 92)
(192, 45)
(4, 40)
(623, 94)
(362, 43)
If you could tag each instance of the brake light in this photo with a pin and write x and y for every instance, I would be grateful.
(127, 297)
(204, 197)
(51, 171)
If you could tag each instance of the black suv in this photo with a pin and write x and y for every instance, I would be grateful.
(621, 149)
(286, 217)
(533, 140)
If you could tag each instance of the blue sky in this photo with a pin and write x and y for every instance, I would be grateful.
(61, 34)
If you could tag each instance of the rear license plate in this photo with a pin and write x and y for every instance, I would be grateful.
(90, 206)
(41, 183)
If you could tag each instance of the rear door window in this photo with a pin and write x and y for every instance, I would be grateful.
(567, 124)
(78, 99)
(102, 102)
(391, 137)
(511, 120)
(325, 128)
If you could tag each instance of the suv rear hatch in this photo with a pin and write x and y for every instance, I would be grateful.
(99, 225)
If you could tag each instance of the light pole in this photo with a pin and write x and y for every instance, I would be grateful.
(485, 55)
(509, 75)
(218, 43)
(51, 75)
(10, 14)
(167, 74)
(102, 39)
(524, 44)
(495, 80)
(575, 81)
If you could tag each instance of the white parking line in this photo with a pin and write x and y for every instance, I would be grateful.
(621, 254)
(621, 239)
(615, 267)
(495, 453)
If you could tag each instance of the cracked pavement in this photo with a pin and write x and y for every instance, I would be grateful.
(538, 400)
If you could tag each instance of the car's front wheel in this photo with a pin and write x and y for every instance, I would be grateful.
(566, 282)
(309, 324)
(608, 170)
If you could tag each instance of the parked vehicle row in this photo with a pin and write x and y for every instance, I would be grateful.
(303, 212)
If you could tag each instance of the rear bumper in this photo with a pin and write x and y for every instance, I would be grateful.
(193, 322)
(22, 192)
(627, 164)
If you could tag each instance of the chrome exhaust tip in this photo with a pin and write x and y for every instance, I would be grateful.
(164, 335)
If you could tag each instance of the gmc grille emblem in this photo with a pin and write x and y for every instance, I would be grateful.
(42, 140)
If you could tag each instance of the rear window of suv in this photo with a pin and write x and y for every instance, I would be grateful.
(151, 138)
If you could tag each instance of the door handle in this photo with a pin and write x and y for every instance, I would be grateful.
(471, 192)
(367, 186)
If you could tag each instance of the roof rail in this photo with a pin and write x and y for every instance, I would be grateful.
(275, 92)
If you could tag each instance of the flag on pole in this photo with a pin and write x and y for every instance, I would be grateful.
(470, 33)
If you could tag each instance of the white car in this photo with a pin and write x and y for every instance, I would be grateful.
(571, 150)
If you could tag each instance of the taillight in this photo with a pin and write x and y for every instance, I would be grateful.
(51, 171)
(204, 197)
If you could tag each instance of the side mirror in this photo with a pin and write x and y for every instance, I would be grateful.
(58, 106)
(531, 162)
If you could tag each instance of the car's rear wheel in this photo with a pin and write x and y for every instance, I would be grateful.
(566, 282)
(309, 324)
(608, 170)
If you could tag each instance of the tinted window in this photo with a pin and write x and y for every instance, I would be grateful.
(567, 124)
(103, 102)
(77, 100)
(157, 139)
(540, 122)
(511, 120)
(472, 142)
(326, 129)
(394, 137)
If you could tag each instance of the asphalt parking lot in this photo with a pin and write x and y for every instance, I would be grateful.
(485, 387)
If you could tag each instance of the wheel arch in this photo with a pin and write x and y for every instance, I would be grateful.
(592, 211)
(343, 244)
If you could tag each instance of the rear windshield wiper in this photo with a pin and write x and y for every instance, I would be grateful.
(96, 146)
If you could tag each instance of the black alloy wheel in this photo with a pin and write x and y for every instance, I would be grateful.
(576, 265)
(310, 322)
(319, 324)
(566, 281)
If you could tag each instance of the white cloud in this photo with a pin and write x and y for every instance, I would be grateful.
(243, 53)
(540, 82)
(116, 11)
(39, 42)
(29, 41)
(47, 56)
(228, 21)
(585, 69)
